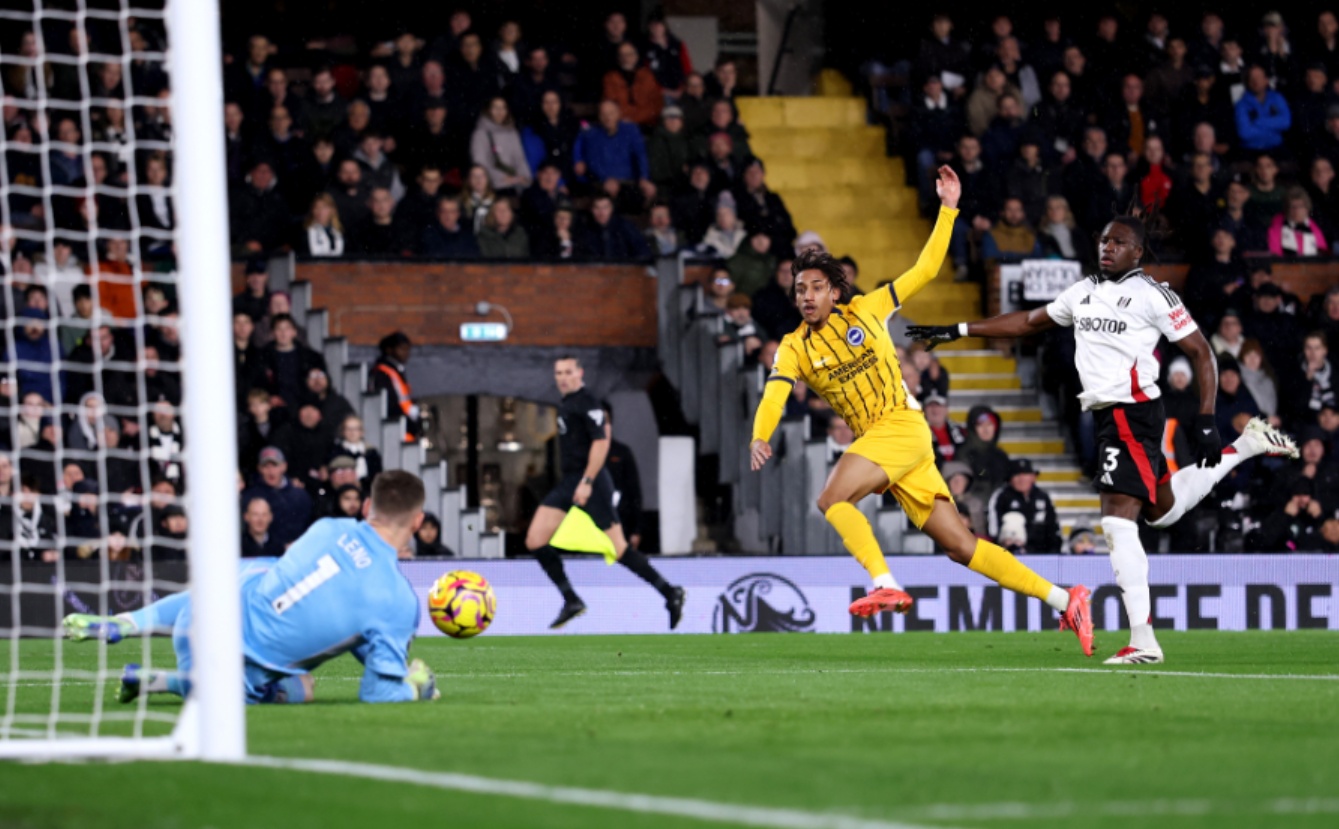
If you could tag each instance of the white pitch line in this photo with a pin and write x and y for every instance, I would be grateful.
(708, 810)
(1118, 808)
(817, 671)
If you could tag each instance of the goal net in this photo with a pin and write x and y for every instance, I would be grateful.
(117, 425)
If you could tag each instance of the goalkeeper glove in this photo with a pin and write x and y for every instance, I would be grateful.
(423, 681)
(933, 335)
(1208, 445)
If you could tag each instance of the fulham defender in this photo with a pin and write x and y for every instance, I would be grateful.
(1119, 315)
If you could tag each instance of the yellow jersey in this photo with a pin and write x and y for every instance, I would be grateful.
(851, 361)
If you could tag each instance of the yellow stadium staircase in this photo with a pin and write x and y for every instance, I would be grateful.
(830, 167)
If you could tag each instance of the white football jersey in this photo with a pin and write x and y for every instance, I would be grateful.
(1117, 324)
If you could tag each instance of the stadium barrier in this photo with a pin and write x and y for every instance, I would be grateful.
(809, 594)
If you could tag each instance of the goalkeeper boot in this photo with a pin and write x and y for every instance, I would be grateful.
(885, 598)
(424, 681)
(83, 626)
(674, 604)
(1130, 655)
(1078, 617)
(130, 684)
(572, 608)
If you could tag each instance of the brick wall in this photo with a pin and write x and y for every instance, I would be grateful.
(551, 305)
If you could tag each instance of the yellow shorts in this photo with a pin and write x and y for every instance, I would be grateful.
(902, 446)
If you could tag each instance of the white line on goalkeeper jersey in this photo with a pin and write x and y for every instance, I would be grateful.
(1117, 324)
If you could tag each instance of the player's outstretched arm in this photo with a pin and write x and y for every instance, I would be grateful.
(931, 260)
(1015, 324)
(1208, 443)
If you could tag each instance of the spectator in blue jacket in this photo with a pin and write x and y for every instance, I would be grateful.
(609, 237)
(612, 157)
(1262, 114)
(32, 347)
(448, 237)
(290, 504)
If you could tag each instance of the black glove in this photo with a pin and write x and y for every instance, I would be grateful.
(933, 335)
(1208, 446)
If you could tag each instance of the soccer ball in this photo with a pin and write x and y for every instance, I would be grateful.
(462, 604)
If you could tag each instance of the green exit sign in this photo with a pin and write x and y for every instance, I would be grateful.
(483, 332)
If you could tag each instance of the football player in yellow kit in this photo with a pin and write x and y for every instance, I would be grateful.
(845, 353)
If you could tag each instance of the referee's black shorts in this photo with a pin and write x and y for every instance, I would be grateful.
(1129, 449)
(603, 503)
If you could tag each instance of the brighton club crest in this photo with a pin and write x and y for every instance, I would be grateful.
(855, 336)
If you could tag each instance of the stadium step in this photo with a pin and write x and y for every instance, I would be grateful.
(965, 398)
(1027, 447)
(1091, 503)
(1008, 414)
(801, 112)
(813, 205)
(839, 171)
(967, 383)
(772, 144)
(978, 362)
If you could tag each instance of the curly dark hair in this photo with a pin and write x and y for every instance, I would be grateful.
(1148, 224)
(817, 260)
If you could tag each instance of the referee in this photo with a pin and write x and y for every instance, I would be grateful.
(583, 443)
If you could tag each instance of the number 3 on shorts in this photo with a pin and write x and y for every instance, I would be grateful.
(1112, 455)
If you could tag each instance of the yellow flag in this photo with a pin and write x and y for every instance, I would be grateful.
(578, 534)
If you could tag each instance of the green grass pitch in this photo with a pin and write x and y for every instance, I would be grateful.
(962, 730)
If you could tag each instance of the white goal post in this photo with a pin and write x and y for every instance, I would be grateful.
(211, 724)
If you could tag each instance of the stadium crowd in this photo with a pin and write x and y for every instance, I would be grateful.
(461, 144)
(1226, 138)
(474, 143)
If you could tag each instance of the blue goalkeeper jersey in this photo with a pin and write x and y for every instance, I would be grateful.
(338, 589)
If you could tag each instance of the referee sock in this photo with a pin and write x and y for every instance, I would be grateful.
(858, 536)
(1130, 564)
(553, 568)
(995, 562)
(1191, 484)
(636, 561)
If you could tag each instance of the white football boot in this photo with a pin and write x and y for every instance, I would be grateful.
(1136, 656)
(1264, 439)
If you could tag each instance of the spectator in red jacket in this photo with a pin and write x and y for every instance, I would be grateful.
(633, 87)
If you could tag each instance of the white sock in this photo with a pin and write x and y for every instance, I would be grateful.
(155, 682)
(1130, 564)
(886, 580)
(1192, 483)
(1058, 598)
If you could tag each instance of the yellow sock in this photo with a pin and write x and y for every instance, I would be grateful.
(995, 562)
(858, 536)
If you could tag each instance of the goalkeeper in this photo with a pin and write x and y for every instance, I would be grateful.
(337, 589)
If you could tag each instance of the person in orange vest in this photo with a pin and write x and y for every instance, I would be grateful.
(388, 375)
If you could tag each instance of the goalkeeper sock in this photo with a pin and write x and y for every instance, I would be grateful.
(164, 682)
(995, 562)
(858, 536)
(158, 617)
(553, 568)
(635, 560)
